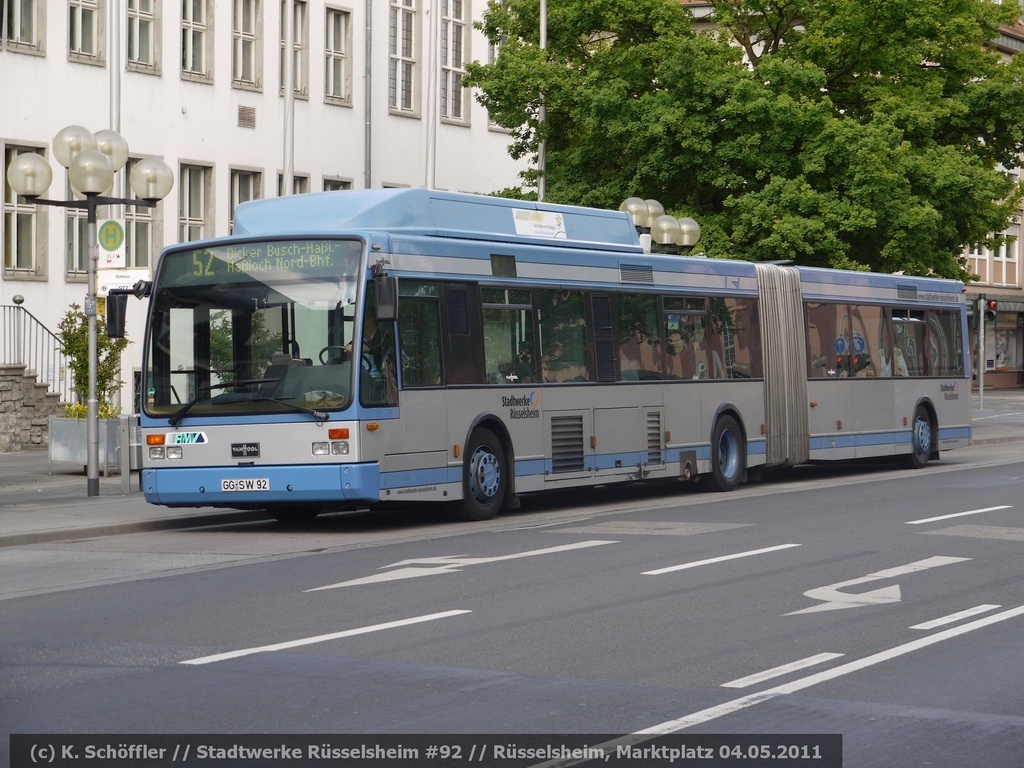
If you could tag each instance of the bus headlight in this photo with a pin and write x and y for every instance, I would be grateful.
(174, 452)
(339, 447)
(156, 453)
(321, 449)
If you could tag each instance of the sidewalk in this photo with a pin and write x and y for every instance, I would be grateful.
(40, 503)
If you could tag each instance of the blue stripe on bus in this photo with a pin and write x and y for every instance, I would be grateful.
(288, 484)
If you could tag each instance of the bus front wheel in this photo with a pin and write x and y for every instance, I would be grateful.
(485, 480)
(728, 455)
(922, 439)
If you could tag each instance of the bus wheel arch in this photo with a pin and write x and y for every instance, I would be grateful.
(924, 433)
(728, 452)
(487, 476)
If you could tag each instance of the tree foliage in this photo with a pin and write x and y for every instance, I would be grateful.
(73, 335)
(828, 132)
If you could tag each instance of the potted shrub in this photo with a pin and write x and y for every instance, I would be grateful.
(69, 435)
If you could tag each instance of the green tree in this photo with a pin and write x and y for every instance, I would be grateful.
(829, 132)
(73, 335)
(261, 344)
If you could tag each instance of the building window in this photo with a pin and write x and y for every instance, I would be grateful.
(76, 240)
(453, 58)
(85, 27)
(493, 50)
(246, 56)
(245, 186)
(299, 47)
(335, 185)
(196, 36)
(23, 232)
(300, 185)
(996, 263)
(402, 56)
(21, 23)
(140, 231)
(143, 34)
(338, 77)
(193, 197)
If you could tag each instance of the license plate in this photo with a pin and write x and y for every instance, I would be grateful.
(247, 484)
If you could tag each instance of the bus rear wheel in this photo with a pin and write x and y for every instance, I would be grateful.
(485, 479)
(728, 455)
(922, 439)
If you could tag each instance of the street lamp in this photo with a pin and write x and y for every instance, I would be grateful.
(91, 161)
(658, 230)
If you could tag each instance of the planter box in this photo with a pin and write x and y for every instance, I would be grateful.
(69, 442)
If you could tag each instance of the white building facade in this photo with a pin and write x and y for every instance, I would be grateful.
(377, 102)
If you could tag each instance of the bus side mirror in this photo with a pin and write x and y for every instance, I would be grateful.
(117, 307)
(386, 291)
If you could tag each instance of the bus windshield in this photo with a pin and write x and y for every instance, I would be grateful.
(253, 328)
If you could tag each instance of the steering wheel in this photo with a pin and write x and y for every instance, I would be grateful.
(325, 355)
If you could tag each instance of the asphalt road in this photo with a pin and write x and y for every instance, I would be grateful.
(883, 605)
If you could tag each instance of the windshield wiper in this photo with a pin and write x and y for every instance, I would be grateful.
(318, 415)
(175, 420)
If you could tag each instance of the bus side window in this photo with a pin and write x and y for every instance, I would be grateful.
(419, 332)
(869, 346)
(508, 336)
(638, 333)
(734, 322)
(945, 343)
(563, 336)
(909, 349)
(818, 359)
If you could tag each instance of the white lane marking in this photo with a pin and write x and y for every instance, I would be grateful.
(953, 617)
(322, 638)
(996, 416)
(721, 559)
(713, 713)
(451, 564)
(957, 514)
(835, 600)
(784, 669)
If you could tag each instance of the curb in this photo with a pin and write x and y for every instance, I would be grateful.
(200, 520)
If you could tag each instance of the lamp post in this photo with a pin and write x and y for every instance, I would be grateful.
(658, 230)
(91, 161)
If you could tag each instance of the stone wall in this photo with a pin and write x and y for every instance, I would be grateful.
(25, 409)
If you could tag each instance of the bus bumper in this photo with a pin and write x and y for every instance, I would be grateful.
(250, 487)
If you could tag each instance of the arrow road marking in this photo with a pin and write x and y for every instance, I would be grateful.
(451, 564)
(835, 600)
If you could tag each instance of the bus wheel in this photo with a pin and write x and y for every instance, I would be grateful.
(485, 481)
(922, 439)
(728, 455)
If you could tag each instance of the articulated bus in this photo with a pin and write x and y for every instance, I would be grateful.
(350, 349)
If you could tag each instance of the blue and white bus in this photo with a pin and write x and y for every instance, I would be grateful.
(354, 348)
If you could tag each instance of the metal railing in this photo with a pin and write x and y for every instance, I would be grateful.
(24, 340)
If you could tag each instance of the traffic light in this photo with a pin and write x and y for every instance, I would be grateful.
(991, 307)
